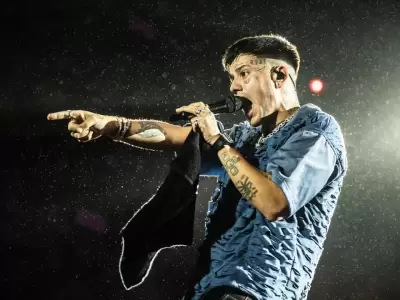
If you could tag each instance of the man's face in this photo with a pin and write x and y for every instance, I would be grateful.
(251, 78)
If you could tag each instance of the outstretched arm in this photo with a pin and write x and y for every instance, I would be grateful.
(150, 134)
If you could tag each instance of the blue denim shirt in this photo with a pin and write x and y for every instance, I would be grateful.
(277, 260)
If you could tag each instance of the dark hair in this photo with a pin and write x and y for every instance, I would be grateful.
(270, 46)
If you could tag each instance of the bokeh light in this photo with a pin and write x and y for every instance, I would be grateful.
(316, 86)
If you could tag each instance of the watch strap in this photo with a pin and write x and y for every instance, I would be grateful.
(222, 141)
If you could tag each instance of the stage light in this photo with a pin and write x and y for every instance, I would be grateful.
(316, 86)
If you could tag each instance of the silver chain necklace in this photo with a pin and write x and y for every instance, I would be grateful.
(276, 129)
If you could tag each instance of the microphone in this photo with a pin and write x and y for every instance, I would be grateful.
(229, 104)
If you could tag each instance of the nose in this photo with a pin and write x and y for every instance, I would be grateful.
(235, 86)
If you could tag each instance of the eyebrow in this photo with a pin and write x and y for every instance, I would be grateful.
(241, 67)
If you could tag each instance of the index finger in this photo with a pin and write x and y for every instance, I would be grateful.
(188, 109)
(60, 115)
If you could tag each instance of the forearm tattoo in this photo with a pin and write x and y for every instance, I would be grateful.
(244, 185)
(230, 163)
(150, 129)
(246, 188)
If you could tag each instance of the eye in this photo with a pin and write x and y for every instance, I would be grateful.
(244, 73)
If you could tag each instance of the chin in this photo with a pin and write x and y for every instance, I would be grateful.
(254, 121)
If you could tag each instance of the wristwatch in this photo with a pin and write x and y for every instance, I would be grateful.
(222, 141)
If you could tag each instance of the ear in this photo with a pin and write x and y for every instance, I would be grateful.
(278, 75)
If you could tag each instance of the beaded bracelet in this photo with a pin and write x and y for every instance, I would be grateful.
(124, 125)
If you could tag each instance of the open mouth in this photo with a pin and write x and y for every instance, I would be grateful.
(250, 113)
(247, 108)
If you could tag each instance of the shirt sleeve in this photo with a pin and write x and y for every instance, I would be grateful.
(302, 167)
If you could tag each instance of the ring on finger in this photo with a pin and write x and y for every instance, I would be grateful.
(200, 110)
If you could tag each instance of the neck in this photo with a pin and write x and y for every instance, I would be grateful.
(270, 122)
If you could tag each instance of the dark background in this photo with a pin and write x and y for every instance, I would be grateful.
(63, 203)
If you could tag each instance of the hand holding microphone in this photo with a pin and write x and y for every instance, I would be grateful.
(229, 104)
(202, 116)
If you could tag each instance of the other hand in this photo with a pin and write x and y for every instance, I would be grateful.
(203, 120)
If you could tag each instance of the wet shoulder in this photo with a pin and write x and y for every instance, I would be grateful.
(315, 119)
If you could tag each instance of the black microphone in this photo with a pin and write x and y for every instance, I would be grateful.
(229, 104)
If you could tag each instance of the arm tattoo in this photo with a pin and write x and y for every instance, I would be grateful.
(230, 163)
(246, 188)
(150, 130)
